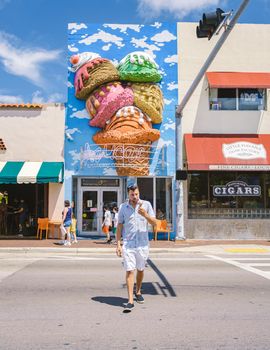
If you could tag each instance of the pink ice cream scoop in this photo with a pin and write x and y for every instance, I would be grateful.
(105, 101)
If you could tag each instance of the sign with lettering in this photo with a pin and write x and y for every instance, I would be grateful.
(237, 188)
(244, 150)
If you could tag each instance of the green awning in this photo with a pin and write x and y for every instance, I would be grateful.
(31, 172)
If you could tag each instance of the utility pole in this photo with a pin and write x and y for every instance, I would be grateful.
(210, 24)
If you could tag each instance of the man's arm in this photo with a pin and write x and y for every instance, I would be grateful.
(118, 239)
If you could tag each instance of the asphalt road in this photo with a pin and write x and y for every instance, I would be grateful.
(192, 301)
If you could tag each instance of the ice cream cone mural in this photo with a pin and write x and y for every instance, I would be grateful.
(123, 101)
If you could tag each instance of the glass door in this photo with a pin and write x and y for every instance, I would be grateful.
(89, 211)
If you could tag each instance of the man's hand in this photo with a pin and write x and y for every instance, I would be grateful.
(119, 250)
(142, 211)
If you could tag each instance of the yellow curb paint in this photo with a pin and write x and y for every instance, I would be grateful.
(246, 250)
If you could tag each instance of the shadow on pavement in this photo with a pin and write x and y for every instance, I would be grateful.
(114, 301)
(167, 286)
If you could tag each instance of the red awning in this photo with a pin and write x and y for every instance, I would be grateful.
(238, 80)
(228, 152)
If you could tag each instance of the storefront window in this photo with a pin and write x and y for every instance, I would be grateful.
(146, 188)
(231, 195)
(164, 199)
(198, 190)
(158, 192)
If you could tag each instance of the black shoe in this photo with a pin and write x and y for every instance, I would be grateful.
(139, 298)
(128, 307)
(109, 240)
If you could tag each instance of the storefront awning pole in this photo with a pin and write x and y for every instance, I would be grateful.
(179, 110)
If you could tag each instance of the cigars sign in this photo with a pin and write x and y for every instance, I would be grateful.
(237, 188)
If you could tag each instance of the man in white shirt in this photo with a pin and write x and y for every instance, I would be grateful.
(133, 219)
(107, 222)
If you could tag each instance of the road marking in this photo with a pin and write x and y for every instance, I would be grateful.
(251, 259)
(246, 250)
(247, 267)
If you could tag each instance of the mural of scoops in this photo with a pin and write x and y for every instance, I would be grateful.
(124, 101)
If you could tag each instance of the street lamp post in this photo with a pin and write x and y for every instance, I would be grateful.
(205, 29)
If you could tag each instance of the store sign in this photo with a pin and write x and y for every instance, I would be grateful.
(238, 167)
(237, 188)
(243, 150)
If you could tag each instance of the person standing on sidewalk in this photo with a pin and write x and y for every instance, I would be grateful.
(66, 223)
(133, 218)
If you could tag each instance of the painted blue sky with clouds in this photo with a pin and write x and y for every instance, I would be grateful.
(33, 36)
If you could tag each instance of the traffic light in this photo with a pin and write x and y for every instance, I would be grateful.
(209, 24)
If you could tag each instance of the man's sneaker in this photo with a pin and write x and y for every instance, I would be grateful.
(67, 244)
(139, 298)
(128, 307)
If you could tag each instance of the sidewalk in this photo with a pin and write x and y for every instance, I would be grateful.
(188, 245)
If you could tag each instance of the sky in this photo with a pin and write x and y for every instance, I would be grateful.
(34, 55)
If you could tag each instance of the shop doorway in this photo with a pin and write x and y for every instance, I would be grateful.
(35, 197)
(90, 208)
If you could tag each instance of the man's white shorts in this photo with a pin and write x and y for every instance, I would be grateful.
(135, 258)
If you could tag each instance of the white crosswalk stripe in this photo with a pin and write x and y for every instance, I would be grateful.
(245, 264)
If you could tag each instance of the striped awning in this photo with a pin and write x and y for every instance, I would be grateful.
(31, 172)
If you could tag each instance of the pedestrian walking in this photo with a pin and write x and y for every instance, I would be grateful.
(107, 222)
(66, 223)
(133, 218)
(73, 229)
(115, 219)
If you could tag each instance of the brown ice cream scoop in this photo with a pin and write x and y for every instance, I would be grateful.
(93, 74)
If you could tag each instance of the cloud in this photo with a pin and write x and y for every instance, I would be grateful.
(53, 98)
(9, 99)
(74, 27)
(80, 114)
(172, 86)
(171, 59)
(176, 8)
(168, 102)
(70, 85)
(169, 126)
(123, 27)
(24, 62)
(141, 43)
(164, 36)
(103, 36)
(72, 48)
(72, 131)
(106, 47)
(156, 25)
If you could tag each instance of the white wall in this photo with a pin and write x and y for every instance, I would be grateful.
(36, 135)
(33, 134)
(247, 49)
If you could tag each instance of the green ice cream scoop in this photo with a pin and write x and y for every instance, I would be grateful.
(139, 67)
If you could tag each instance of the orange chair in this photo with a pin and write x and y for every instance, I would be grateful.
(161, 226)
(43, 225)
